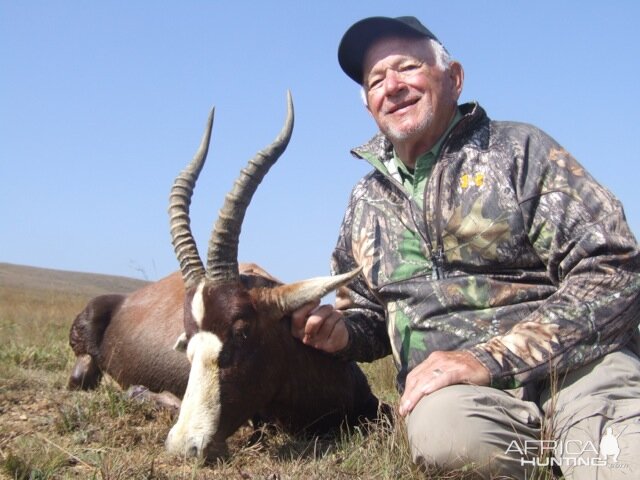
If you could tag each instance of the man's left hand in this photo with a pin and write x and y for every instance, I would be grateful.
(440, 370)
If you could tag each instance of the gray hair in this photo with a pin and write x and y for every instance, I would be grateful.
(442, 60)
(442, 57)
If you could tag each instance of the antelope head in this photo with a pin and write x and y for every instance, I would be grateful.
(229, 328)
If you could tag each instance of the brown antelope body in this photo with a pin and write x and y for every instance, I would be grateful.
(233, 321)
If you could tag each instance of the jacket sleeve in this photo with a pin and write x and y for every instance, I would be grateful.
(364, 316)
(580, 233)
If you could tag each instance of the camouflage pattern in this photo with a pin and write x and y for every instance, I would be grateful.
(539, 268)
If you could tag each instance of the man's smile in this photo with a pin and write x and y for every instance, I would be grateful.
(401, 107)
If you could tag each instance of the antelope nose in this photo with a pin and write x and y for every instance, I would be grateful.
(192, 451)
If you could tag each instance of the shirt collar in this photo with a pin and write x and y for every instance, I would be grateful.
(397, 168)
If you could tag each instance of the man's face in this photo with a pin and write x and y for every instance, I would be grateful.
(408, 95)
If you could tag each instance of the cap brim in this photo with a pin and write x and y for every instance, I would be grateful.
(362, 34)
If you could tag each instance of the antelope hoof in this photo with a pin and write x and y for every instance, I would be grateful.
(85, 374)
(194, 447)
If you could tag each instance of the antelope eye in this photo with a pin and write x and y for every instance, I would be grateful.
(240, 330)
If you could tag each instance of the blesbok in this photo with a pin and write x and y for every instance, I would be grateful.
(233, 321)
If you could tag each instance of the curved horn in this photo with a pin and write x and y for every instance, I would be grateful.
(222, 258)
(284, 299)
(180, 224)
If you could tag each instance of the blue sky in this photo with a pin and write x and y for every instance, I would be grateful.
(102, 103)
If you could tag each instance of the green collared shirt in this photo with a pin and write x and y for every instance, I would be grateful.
(416, 258)
(415, 181)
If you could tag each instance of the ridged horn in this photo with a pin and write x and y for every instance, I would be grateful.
(179, 221)
(222, 257)
(287, 298)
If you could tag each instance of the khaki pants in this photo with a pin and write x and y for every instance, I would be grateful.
(588, 425)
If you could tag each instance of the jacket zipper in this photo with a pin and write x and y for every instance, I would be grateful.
(438, 258)
(437, 254)
(427, 237)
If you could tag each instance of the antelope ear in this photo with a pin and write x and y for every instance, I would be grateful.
(287, 298)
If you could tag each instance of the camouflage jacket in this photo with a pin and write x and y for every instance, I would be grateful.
(525, 260)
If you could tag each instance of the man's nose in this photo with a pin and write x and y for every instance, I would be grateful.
(393, 82)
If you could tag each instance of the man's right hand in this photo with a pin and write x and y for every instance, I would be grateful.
(321, 327)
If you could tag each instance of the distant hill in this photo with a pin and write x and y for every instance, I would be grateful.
(89, 284)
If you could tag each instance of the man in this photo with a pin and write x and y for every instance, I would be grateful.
(502, 277)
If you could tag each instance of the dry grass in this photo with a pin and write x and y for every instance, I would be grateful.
(49, 432)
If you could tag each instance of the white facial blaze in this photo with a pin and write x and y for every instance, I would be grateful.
(200, 410)
(197, 305)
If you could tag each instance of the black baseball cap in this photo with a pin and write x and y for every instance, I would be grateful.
(362, 34)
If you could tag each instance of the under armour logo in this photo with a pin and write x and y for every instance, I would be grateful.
(476, 179)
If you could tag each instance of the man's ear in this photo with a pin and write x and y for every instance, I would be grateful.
(456, 74)
(363, 97)
(366, 104)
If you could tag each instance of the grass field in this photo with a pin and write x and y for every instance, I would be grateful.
(47, 431)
